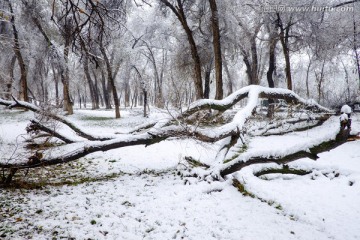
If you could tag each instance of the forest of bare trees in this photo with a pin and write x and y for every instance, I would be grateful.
(119, 54)
(188, 56)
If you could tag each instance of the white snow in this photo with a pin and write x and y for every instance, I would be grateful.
(136, 192)
(346, 109)
(344, 117)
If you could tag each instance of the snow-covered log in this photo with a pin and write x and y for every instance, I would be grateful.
(337, 134)
(175, 126)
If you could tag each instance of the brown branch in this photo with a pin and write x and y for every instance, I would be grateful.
(144, 139)
(20, 104)
(340, 139)
(36, 125)
(263, 92)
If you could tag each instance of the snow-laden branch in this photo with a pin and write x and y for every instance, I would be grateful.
(253, 92)
(37, 126)
(174, 126)
(75, 151)
(331, 136)
(21, 104)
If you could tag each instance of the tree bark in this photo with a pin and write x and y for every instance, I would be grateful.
(111, 80)
(180, 14)
(65, 77)
(11, 79)
(94, 103)
(207, 80)
(340, 139)
(217, 49)
(307, 78)
(270, 72)
(284, 39)
(23, 69)
(105, 89)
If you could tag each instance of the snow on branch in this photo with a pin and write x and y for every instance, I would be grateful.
(173, 127)
(21, 104)
(329, 136)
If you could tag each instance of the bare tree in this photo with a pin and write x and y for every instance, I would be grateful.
(179, 12)
(17, 50)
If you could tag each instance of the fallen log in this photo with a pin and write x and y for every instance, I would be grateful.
(173, 127)
(312, 153)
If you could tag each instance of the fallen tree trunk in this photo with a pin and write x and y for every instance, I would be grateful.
(175, 126)
(83, 150)
(312, 153)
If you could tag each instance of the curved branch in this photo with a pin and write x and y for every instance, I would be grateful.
(256, 92)
(264, 130)
(21, 104)
(311, 153)
(36, 125)
(253, 92)
(83, 149)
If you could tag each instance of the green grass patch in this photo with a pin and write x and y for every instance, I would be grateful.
(96, 118)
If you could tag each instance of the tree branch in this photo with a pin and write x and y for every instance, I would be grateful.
(36, 125)
(21, 104)
(340, 139)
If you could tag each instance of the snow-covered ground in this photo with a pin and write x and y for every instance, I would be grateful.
(139, 193)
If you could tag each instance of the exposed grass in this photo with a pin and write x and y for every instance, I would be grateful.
(95, 118)
(241, 188)
(71, 174)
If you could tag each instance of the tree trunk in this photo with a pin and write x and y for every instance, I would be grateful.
(311, 153)
(145, 102)
(347, 81)
(90, 83)
(284, 39)
(287, 66)
(105, 90)
(11, 79)
(97, 95)
(207, 80)
(171, 128)
(270, 73)
(111, 81)
(307, 78)
(180, 14)
(127, 94)
(229, 78)
(320, 81)
(254, 62)
(23, 70)
(217, 49)
(65, 78)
